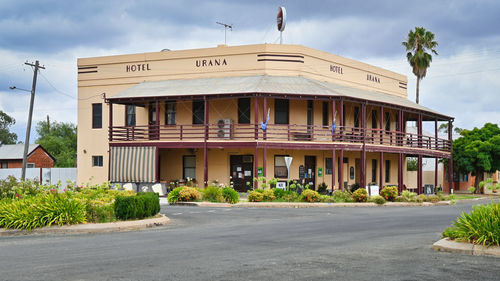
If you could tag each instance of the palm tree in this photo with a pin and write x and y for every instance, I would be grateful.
(417, 44)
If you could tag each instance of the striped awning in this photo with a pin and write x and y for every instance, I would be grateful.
(132, 164)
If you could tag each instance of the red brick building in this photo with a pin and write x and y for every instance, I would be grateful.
(11, 156)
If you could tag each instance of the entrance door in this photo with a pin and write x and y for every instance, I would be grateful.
(153, 129)
(241, 171)
(310, 175)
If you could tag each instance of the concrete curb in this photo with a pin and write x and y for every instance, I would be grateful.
(307, 205)
(447, 245)
(92, 227)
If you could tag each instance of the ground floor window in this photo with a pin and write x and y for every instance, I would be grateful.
(387, 170)
(328, 166)
(189, 167)
(97, 161)
(3, 165)
(280, 170)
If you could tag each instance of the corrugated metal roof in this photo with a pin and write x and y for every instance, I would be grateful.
(290, 85)
(15, 151)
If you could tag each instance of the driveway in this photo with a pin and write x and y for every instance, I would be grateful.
(381, 243)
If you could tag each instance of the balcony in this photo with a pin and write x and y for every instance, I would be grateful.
(276, 133)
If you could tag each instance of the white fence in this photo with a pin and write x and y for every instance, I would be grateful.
(46, 175)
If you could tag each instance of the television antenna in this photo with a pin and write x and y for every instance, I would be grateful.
(226, 27)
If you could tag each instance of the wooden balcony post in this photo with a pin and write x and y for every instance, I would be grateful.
(436, 134)
(419, 175)
(110, 121)
(363, 151)
(400, 172)
(341, 117)
(256, 116)
(334, 112)
(420, 138)
(264, 162)
(157, 123)
(264, 118)
(341, 169)
(333, 169)
(206, 117)
(381, 120)
(435, 173)
(381, 171)
(450, 160)
(256, 166)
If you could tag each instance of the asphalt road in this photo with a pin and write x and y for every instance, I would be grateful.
(382, 243)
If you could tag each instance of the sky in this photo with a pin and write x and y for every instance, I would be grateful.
(463, 80)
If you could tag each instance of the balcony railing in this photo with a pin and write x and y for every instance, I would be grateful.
(276, 132)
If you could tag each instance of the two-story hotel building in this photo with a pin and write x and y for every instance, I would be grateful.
(229, 114)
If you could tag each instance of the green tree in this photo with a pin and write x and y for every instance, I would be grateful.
(443, 128)
(59, 139)
(6, 137)
(417, 44)
(478, 151)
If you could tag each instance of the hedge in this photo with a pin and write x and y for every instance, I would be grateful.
(142, 205)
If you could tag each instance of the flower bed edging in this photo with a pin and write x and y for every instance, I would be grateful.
(447, 245)
(118, 226)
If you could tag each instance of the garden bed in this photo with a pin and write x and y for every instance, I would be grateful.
(28, 205)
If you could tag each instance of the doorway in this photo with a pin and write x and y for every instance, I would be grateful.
(154, 131)
(310, 171)
(241, 172)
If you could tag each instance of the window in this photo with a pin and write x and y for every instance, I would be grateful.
(30, 165)
(96, 115)
(198, 112)
(374, 170)
(281, 108)
(374, 119)
(244, 111)
(171, 113)
(280, 170)
(356, 117)
(325, 113)
(387, 121)
(97, 161)
(328, 166)
(4, 165)
(130, 115)
(189, 167)
(387, 170)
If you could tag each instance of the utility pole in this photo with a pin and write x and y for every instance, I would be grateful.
(30, 115)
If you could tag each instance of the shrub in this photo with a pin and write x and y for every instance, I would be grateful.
(481, 226)
(212, 194)
(189, 194)
(360, 195)
(398, 199)
(408, 196)
(173, 196)
(421, 198)
(389, 193)
(230, 195)
(326, 199)
(255, 196)
(144, 204)
(98, 212)
(472, 189)
(379, 200)
(290, 196)
(268, 195)
(342, 196)
(260, 190)
(322, 188)
(433, 198)
(278, 193)
(41, 210)
(310, 195)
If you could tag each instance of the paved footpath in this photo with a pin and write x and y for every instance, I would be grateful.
(203, 243)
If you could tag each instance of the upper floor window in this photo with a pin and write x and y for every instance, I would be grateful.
(198, 112)
(171, 113)
(356, 116)
(96, 115)
(374, 119)
(244, 111)
(281, 111)
(130, 115)
(325, 113)
(387, 121)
